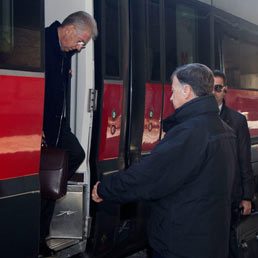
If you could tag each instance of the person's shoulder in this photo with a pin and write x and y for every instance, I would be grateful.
(51, 37)
(53, 26)
(235, 114)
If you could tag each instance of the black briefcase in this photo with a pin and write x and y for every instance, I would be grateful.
(247, 236)
(53, 172)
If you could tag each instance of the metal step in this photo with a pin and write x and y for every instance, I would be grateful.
(67, 247)
(58, 244)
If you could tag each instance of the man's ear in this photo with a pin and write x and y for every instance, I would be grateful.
(187, 91)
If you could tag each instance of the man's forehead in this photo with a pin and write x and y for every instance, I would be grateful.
(218, 78)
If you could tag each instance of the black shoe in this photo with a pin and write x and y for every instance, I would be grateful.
(45, 251)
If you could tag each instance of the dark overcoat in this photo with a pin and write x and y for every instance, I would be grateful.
(187, 180)
(57, 67)
(244, 181)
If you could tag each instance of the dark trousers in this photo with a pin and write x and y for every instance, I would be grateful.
(156, 255)
(46, 213)
(69, 142)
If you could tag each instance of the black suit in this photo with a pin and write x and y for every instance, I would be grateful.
(187, 181)
(244, 183)
(56, 128)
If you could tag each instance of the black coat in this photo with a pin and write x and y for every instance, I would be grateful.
(57, 66)
(244, 181)
(188, 181)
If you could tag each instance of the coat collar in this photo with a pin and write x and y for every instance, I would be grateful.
(224, 107)
(53, 31)
(225, 113)
(198, 106)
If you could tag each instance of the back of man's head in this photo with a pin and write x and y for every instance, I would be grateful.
(198, 76)
(82, 21)
(218, 73)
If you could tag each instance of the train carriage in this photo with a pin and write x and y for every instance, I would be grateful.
(119, 94)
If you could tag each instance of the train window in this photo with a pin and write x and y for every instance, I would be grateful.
(185, 34)
(203, 28)
(248, 65)
(170, 43)
(20, 35)
(153, 41)
(112, 43)
(237, 53)
(231, 60)
(6, 31)
(181, 35)
(240, 63)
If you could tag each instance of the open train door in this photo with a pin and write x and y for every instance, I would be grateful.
(21, 113)
(82, 81)
(108, 151)
(71, 221)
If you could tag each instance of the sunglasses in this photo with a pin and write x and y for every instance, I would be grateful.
(220, 88)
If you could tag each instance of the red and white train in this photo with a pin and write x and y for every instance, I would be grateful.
(120, 91)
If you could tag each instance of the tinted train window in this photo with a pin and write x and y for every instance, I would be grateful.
(240, 63)
(153, 41)
(203, 40)
(185, 34)
(237, 52)
(248, 65)
(112, 38)
(170, 42)
(181, 35)
(20, 35)
(231, 60)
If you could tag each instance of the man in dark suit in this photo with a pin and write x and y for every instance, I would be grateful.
(187, 179)
(61, 42)
(243, 190)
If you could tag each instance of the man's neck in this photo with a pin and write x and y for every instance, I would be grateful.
(220, 102)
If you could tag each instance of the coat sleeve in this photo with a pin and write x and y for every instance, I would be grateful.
(173, 162)
(244, 156)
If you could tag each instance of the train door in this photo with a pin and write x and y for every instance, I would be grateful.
(21, 113)
(71, 220)
(109, 142)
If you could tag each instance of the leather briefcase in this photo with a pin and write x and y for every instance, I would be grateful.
(53, 172)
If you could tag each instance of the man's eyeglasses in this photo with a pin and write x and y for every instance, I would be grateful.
(220, 88)
(81, 43)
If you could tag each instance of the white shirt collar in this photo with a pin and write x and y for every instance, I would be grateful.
(220, 107)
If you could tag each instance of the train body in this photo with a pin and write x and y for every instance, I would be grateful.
(119, 94)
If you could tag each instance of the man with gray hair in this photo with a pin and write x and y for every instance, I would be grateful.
(61, 42)
(188, 177)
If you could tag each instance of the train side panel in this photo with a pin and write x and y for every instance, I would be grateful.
(21, 101)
